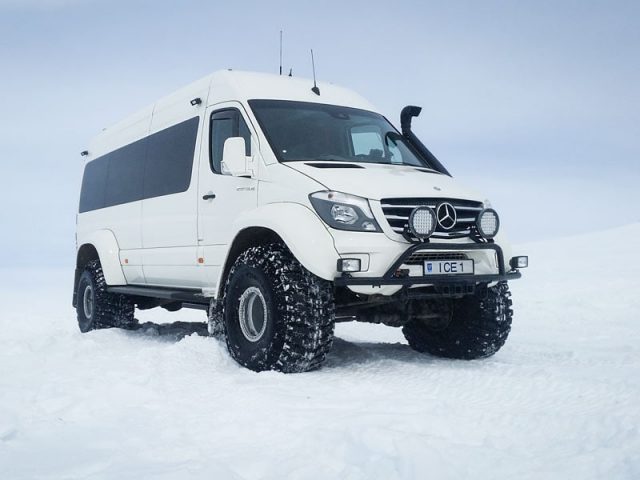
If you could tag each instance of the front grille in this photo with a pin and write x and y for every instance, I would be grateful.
(418, 258)
(397, 211)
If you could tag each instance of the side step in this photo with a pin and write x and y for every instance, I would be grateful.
(189, 297)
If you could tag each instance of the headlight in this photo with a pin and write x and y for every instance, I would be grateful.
(488, 223)
(344, 212)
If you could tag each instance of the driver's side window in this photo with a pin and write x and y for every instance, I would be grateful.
(395, 155)
(226, 124)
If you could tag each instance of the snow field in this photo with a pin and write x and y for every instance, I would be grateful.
(560, 400)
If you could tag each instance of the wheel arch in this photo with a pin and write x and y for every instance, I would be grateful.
(86, 253)
(293, 225)
(103, 246)
(245, 238)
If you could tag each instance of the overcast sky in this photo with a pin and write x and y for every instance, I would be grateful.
(537, 104)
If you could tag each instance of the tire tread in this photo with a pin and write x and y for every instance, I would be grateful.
(479, 327)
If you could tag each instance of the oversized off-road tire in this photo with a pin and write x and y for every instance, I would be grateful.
(97, 308)
(477, 326)
(277, 315)
(215, 320)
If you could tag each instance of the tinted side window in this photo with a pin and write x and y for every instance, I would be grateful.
(114, 178)
(226, 124)
(221, 129)
(243, 131)
(157, 165)
(170, 159)
(93, 185)
(126, 170)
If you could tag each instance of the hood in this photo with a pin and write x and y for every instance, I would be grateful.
(377, 181)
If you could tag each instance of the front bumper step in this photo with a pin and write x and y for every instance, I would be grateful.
(391, 277)
(346, 280)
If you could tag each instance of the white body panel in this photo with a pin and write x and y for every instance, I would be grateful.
(233, 197)
(107, 246)
(181, 240)
(302, 231)
(170, 222)
(388, 181)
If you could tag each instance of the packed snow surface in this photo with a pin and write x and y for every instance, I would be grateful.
(560, 400)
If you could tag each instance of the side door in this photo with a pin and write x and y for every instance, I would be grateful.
(169, 208)
(222, 197)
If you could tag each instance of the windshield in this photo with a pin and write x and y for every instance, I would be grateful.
(304, 131)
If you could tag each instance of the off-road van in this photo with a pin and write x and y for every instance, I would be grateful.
(280, 210)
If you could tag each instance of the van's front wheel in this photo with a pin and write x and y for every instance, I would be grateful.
(277, 315)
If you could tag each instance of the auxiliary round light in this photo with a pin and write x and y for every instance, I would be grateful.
(488, 223)
(422, 222)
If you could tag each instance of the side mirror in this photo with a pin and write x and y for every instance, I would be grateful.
(234, 160)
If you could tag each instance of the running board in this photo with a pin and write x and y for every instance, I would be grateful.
(184, 295)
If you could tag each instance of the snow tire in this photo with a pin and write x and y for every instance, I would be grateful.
(296, 308)
(96, 308)
(479, 326)
(215, 324)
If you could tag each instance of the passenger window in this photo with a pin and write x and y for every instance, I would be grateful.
(94, 184)
(243, 131)
(170, 159)
(367, 141)
(221, 129)
(157, 165)
(395, 155)
(226, 124)
(125, 176)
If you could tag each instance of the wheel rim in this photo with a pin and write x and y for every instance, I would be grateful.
(88, 301)
(252, 314)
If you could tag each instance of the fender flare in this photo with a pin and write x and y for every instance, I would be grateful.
(105, 243)
(300, 229)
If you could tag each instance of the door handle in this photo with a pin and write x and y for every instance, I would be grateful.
(209, 196)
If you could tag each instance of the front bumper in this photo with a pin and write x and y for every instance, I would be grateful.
(394, 276)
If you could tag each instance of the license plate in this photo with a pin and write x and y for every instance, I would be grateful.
(448, 267)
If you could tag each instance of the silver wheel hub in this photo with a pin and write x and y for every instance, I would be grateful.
(252, 313)
(87, 301)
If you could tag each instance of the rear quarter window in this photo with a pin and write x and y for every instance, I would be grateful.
(94, 183)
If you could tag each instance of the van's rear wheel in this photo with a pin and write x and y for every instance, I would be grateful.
(277, 315)
(476, 326)
(97, 308)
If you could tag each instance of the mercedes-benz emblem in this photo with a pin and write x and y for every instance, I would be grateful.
(446, 216)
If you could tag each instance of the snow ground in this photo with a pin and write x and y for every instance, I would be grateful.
(561, 400)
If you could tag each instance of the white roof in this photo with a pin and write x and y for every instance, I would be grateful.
(237, 85)
(220, 86)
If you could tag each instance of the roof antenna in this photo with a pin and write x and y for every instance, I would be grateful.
(315, 88)
(280, 52)
(291, 72)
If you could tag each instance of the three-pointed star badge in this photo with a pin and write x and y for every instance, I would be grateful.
(446, 216)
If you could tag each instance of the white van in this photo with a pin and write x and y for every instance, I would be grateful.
(281, 210)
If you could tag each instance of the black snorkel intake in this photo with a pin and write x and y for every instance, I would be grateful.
(406, 115)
